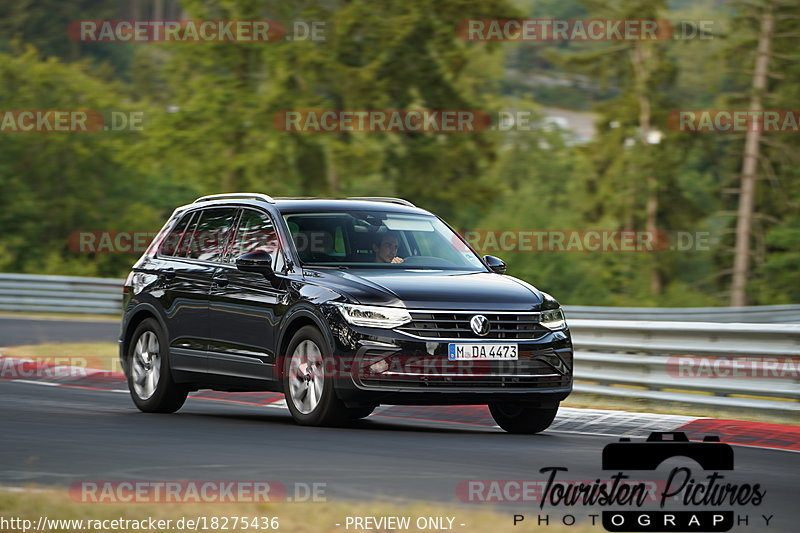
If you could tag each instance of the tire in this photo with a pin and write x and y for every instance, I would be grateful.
(149, 377)
(310, 394)
(522, 420)
(355, 413)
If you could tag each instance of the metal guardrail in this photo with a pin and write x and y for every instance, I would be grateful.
(761, 314)
(60, 294)
(744, 366)
(615, 356)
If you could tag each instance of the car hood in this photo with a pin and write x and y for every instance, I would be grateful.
(431, 289)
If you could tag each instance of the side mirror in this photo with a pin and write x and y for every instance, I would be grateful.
(495, 264)
(257, 262)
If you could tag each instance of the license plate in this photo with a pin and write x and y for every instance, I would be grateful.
(482, 352)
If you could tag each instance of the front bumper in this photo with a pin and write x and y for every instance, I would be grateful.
(416, 371)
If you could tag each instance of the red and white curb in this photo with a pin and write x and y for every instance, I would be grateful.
(569, 420)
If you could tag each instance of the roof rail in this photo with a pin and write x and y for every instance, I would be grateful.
(382, 199)
(234, 195)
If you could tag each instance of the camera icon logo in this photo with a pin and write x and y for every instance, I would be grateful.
(710, 454)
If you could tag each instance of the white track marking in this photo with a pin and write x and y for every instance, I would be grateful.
(29, 382)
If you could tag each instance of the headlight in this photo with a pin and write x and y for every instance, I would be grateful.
(552, 319)
(374, 316)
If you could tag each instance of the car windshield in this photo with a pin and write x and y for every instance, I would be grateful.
(371, 239)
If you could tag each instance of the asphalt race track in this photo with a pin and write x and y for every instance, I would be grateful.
(18, 331)
(55, 432)
(55, 436)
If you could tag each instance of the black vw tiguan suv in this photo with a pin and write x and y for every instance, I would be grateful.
(342, 305)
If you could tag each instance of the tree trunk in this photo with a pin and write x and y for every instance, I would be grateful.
(158, 10)
(741, 262)
(641, 55)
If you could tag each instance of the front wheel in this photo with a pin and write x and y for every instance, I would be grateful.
(310, 396)
(149, 377)
(522, 419)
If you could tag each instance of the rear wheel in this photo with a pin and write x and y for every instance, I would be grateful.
(149, 377)
(310, 395)
(521, 419)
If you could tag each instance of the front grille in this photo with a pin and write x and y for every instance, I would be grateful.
(502, 326)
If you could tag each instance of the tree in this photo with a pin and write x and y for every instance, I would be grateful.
(750, 160)
(396, 55)
(57, 183)
(638, 68)
(775, 223)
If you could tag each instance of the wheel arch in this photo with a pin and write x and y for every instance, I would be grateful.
(298, 318)
(137, 316)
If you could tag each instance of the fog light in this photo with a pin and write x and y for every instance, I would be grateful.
(380, 366)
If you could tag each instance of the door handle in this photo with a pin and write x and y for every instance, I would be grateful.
(219, 281)
(168, 274)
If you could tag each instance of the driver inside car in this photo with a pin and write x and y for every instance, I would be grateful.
(386, 249)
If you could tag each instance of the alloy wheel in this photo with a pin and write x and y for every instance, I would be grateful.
(306, 377)
(146, 365)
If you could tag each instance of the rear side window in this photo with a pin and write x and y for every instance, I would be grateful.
(171, 242)
(256, 233)
(207, 240)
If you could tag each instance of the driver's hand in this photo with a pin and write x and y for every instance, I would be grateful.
(397, 260)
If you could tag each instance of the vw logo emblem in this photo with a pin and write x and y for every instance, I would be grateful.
(480, 325)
